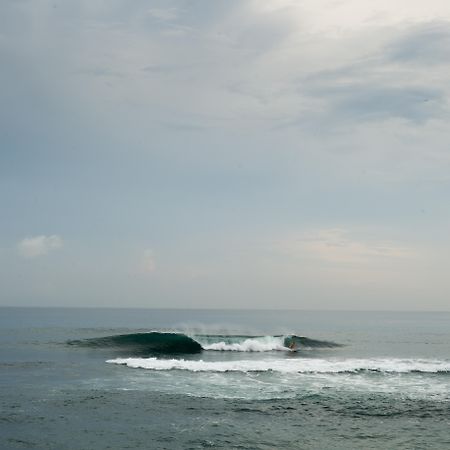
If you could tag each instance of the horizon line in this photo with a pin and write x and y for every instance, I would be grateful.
(221, 309)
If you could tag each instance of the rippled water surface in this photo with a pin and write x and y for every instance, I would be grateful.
(173, 379)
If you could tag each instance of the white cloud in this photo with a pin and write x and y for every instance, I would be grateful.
(31, 247)
(163, 14)
(148, 264)
(340, 247)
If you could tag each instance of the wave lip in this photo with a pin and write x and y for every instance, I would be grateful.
(325, 366)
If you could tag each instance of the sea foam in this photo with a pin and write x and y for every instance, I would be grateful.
(302, 365)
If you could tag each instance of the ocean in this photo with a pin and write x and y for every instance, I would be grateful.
(227, 379)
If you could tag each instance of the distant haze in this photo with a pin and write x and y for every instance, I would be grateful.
(225, 154)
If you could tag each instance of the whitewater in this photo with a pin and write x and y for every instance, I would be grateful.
(319, 366)
(261, 344)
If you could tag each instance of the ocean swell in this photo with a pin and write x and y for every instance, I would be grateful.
(144, 343)
(157, 342)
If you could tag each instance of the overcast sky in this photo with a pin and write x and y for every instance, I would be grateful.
(250, 154)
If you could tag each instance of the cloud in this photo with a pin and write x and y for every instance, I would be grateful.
(148, 264)
(427, 43)
(163, 14)
(32, 247)
(234, 64)
(372, 102)
(376, 88)
(338, 246)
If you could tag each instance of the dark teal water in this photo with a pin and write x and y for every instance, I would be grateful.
(223, 379)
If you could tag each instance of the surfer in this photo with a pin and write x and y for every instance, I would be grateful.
(292, 346)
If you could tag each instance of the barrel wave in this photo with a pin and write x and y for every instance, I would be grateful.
(158, 342)
(144, 343)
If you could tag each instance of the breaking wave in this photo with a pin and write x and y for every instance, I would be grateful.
(180, 343)
(262, 343)
(325, 366)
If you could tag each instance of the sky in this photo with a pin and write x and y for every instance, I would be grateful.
(225, 154)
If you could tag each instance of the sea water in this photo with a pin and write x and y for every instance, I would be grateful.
(191, 379)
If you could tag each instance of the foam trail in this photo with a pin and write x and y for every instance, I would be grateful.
(291, 366)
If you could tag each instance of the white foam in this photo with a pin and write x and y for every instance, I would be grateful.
(260, 344)
(300, 365)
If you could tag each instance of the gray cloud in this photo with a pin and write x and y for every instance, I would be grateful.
(422, 44)
(383, 85)
(182, 122)
(362, 102)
